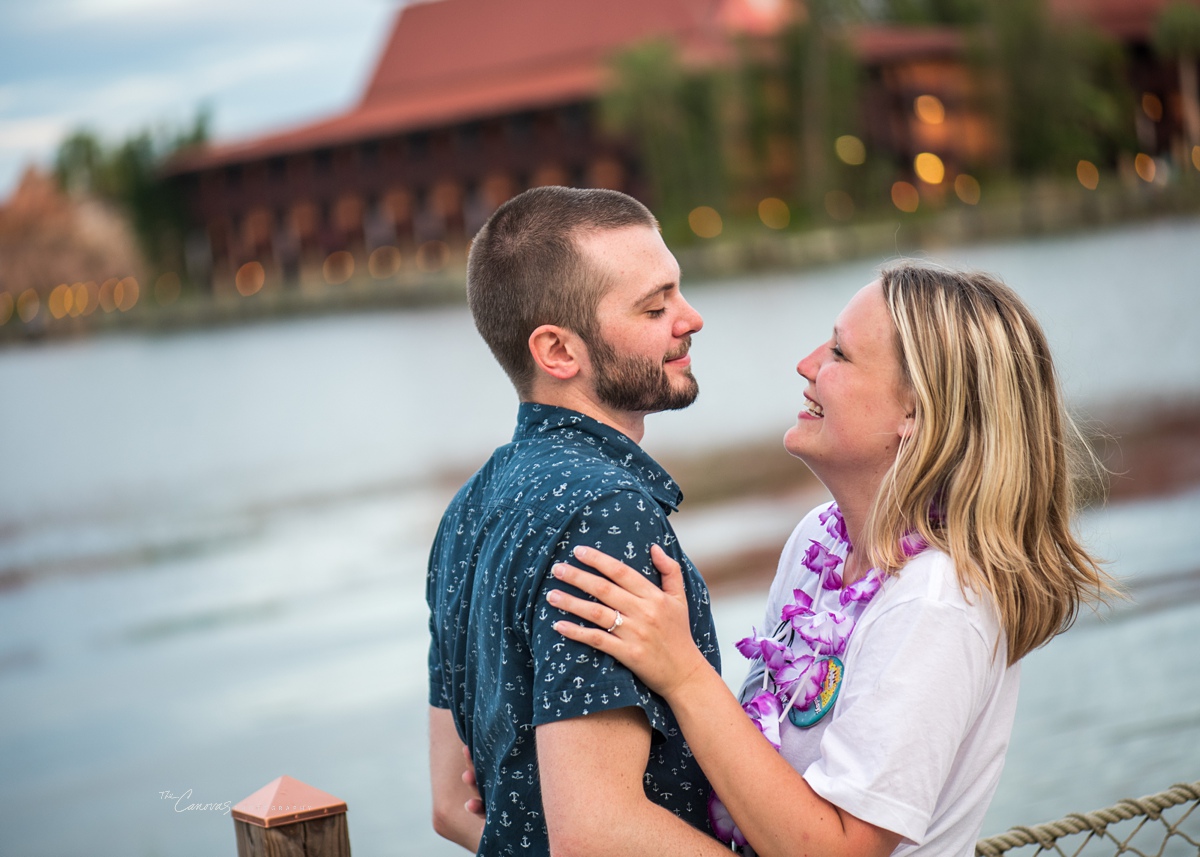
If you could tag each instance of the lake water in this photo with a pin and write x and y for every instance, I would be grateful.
(214, 546)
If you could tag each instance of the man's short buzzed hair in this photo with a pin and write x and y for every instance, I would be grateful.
(526, 269)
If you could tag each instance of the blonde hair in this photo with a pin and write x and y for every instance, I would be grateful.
(987, 473)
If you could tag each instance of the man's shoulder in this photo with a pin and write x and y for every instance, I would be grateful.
(552, 475)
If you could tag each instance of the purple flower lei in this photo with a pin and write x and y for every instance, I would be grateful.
(795, 670)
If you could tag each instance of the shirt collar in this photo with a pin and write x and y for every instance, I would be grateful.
(536, 420)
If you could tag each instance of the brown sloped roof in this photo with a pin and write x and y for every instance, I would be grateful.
(455, 60)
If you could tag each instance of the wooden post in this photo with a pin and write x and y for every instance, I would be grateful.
(288, 818)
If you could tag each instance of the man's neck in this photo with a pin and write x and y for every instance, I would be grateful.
(629, 424)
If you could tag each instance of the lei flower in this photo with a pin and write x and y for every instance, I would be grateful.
(796, 659)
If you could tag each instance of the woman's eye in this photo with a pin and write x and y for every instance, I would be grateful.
(656, 313)
(837, 352)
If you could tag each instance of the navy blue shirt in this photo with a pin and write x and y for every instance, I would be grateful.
(494, 660)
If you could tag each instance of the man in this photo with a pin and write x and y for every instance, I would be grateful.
(578, 299)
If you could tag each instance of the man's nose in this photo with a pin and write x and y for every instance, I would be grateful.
(689, 321)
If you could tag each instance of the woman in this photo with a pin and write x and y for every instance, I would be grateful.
(884, 682)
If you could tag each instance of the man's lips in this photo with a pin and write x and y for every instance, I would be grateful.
(681, 357)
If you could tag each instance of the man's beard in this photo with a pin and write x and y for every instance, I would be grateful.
(638, 384)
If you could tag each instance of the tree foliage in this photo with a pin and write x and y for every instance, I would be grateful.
(1059, 92)
(674, 115)
(128, 175)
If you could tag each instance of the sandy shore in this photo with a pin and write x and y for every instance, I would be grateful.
(1154, 453)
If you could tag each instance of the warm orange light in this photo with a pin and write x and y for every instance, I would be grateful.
(90, 300)
(125, 294)
(705, 221)
(905, 197)
(839, 205)
(106, 294)
(167, 288)
(79, 300)
(929, 168)
(1152, 106)
(929, 109)
(28, 305)
(774, 213)
(384, 262)
(850, 150)
(7, 305)
(967, 188)
(432, 256)
(59, 300)
(250, 278)
(1196, 157)
(1087, 174)
(338, 267)
(1143, 165)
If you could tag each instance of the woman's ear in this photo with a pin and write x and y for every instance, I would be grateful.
(555, 351)
(908, 425)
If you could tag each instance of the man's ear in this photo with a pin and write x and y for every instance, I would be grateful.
(556, 351)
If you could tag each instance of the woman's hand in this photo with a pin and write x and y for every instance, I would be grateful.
(654, 636)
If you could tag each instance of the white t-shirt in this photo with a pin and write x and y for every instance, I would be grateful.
(916, 739)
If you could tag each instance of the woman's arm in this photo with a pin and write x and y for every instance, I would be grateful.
(770, 801)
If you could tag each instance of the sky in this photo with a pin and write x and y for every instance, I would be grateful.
(120, 66)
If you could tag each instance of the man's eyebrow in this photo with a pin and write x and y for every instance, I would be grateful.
(655, 292)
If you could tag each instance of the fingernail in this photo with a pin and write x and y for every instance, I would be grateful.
(553, 597)
(559, 569)
(580, 551)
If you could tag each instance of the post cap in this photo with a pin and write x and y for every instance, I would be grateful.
(286, 801)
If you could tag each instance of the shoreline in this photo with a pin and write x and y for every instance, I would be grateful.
(1036, 209)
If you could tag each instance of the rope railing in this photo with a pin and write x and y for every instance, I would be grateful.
(1163, 825)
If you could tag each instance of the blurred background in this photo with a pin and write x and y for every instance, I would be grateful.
(238, 381)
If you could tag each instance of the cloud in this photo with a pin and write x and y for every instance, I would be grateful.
(118, 66)
(32, 134)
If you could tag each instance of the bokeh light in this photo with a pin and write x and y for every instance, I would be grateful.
(59, 301)
(905, 197)
(81, 301)
(432, 256)
(850, 150)
(839, 205)
(28, 305)
(384, 262)
(774, 213)
(167, 288)
(705, 221)
(249, 279)
(1196, 157)
(338, 267)
(107, 303)
(967, 188)
(7, 305)
(929, 109)
(1088, 174)
(1144, 166)
(89, 299)
(125, 294)
(1152, 106)
(929, 168)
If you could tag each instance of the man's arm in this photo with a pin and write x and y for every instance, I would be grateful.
(591, 774)
(450, 794)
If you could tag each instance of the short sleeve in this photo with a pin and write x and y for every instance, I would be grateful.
(572, 679)
(439, 695)
(914, 677)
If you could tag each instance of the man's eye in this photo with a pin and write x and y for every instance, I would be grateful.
(837, 352)
(656, 313)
